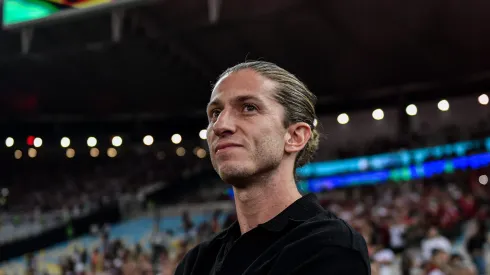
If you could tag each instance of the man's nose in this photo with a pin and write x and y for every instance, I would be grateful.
(224, 124)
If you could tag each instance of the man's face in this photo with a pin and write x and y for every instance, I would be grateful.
(246, 134)
(442, 258)
(432, 232)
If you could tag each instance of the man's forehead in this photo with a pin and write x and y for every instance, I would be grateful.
(242, 82)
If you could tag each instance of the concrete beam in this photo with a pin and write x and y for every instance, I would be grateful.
(117, 18)
(214, 8)
(26, 36)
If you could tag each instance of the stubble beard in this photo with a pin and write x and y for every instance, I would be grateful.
(254, 171)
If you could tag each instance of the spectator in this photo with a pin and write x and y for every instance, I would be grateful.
(458, 267)
(215, 225)
(187, 223)
(129, 265)
(437, 264)
(397, 231)
(385, 258)
(475, 247)
(143, 266)
(467, 203)
(434, 240)
(415, 232)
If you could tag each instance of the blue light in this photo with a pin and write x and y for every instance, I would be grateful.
(390, 160)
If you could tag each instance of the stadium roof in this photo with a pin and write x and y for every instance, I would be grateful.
(351, 53)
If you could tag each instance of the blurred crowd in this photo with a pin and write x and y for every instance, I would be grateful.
(56, 183)
(160, 256)
(59, 190)
(435, 226)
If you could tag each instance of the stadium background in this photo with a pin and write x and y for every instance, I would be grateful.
(104, 166)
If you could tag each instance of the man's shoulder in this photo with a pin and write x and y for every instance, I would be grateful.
(325, 229)
(200, 248)
(205, 246)
(187, 263)
(323, 236)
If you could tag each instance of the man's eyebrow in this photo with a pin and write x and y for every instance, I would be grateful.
(213, 103)
(244, 98)
(238, 99)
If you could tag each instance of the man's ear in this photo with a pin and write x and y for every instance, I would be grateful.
(298, 134)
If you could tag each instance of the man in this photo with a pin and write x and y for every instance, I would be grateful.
(262, 126)
(438, 263)
(434, 240)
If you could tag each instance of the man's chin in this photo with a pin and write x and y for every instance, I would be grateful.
(234, 174)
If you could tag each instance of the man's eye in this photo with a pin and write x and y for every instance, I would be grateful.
(249, 108)
(215, 113)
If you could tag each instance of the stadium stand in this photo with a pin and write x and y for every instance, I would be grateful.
(392, 218)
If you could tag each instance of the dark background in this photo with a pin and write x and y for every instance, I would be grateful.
(352, 54)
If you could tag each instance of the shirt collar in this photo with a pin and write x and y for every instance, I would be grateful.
(301, 210)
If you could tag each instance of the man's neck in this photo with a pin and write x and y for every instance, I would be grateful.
(261, 202)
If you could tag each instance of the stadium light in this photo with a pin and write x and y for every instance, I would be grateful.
(411, 110)
(30, 140)
(111, 152)
(483, 99)
(483, 179)
(378, 114)
(203, 134)
(70, 153)
(148, 140)
(176, 138)
(343, 118)
(201, 153)
(18, 154)
(38, 142)
(91, 142)
(32, 153)
(94, 152)
(443, 105)
(180, 151)
(9, 142)
(65, 142)
(117, 141)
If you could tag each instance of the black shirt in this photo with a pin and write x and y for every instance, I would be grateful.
(304, 239)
